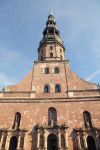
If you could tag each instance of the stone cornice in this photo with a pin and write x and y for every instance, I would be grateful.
(49, 100)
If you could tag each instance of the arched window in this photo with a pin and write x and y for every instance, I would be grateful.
(52, 116)
(57, 88)
(46, 89)
(87, 119)
(56, 70)
(51, 55)
(17, 120)
(47, 70)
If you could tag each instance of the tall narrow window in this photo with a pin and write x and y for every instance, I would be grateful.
(51, 55)
(52, 116)
(57, 88)
(87, 119)
(46, 89)
(17, 121)
(47, 70)
(56, 70)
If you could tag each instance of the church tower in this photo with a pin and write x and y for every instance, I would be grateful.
(51, 108)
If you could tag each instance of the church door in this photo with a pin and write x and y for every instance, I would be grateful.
(13, 143)
(52, 142)
(91, 143)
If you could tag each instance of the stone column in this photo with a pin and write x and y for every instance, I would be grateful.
(78, 139)
(59, 140)
(66, 139)
(18, 145)
(97, 141)
(45, 140)
(3, 140)
(85, 141)
(38, 139)
(8, 140)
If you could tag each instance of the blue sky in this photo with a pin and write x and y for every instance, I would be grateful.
(21, 26)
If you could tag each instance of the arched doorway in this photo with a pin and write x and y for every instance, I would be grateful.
(91, 143)
(52, 143)
(13, 143)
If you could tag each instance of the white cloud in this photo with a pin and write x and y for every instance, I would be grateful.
(93, 75)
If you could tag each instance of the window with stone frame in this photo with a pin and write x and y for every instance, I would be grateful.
(47, 70)
(17, 120)
(52, 117)
(57, 88)
(87, 119)
(46, 89)
(51, 55)
(56, 70)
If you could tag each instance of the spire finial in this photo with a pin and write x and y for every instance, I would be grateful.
(51, 12)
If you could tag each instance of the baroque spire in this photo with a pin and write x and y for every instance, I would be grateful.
(51, 32)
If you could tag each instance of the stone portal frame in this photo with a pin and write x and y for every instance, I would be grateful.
(7, 134)
(80, 135)
(45, 131)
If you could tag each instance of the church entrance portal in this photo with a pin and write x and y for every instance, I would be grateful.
(91, 143)
(13, 143)
(52, 142)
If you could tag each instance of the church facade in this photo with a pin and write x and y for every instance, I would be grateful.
(51, 108)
